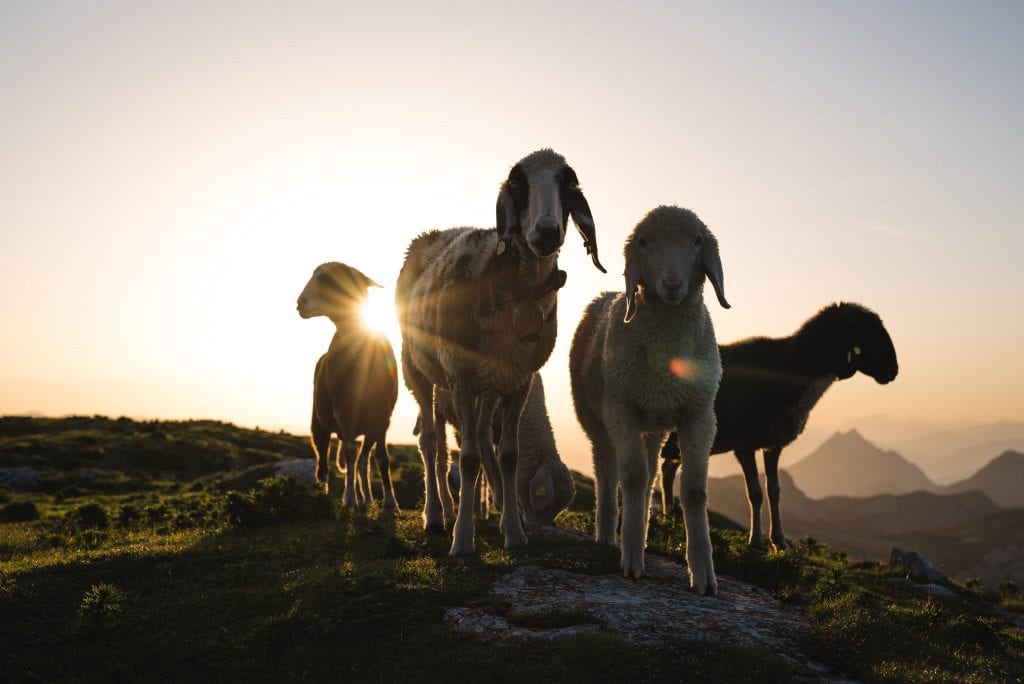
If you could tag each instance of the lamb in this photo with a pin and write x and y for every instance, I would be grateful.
(642, 363)
(477, 313)
(355, 384)
(770, 385)
(544, 486)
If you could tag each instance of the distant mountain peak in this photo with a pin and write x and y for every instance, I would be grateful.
(847, 464)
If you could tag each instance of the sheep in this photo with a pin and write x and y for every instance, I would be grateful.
(355, 384)
(645, 362)
(770, 385)
(477, 313)
(544, 485)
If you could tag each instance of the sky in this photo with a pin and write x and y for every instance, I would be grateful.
(172, 173)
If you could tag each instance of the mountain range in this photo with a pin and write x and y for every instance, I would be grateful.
(946, 454)
(847, 464)
(966, 533)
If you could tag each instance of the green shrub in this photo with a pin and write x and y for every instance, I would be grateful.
(276, 500)
(101, 607)
(19, 511)
(128, 515)
(90, 516)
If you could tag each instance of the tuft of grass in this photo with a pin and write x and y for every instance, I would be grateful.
(101, 607)
(19, 511)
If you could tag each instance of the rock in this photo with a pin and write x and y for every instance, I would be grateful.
(547, 603)
(917, 566)
(20, 479)
(302, 469)
(936, 590)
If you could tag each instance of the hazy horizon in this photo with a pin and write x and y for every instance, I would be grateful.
(171, 175)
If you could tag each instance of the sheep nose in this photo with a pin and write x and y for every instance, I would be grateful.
(671, 285)
(549, 229)
(300, 302)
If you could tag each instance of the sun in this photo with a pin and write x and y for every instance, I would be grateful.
(378, 313)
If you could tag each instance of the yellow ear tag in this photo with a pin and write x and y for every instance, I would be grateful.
(501, 247)
(540, 492)
(856, 350)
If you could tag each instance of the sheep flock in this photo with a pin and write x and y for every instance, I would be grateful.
(477, 312)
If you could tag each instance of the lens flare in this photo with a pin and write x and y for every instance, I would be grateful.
(681, 368)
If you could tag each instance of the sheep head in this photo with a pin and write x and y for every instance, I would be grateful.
(335, 290)
(534, 206)
(670, 252)
(862, 344)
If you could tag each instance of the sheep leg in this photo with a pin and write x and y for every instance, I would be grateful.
(607, 485)
(669, 466)
(754, 496)
(469, 467)
(771, 473)
(490, 465)
(653, 442)
(441, 467)
(423, 392)
(508, 457)
(383, 458)
(321, 440)
(695, 437)
(348, 449)
(634, 477)
(493, 472)
(364, 494)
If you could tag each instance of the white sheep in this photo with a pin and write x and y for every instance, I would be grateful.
(477, 311)
(645, 362)
(769, 386)
(355, 384)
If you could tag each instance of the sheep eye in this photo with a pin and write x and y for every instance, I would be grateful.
(511, 182)
(643, 242)
(696, 241)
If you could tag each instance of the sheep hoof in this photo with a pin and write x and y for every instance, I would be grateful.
(704, 584)
(515, 541)
(461, 549)
(780, 545)
(434, 528)
(634, 573)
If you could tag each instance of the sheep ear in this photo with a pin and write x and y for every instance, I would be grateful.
(542, 488)
(632, 284)
(362, 278)
(579, 209)
(505, 213)
(713, 266)
(507, 225)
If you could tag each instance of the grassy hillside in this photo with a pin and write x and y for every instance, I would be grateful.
(210, 579)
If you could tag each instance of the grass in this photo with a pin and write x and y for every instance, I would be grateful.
(230, 578)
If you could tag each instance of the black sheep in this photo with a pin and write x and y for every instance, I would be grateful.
(769, 386)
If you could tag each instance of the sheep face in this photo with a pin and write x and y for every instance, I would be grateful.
(669, 254)
(334, 290)
(534, 206)
(864, 345)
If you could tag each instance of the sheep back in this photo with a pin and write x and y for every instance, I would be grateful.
(466, 317)
(355, 384)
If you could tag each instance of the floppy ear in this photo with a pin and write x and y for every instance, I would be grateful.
(542, 488)
(713, 266)
(633, 282)
(843, 351)
(362, 278)
(579, 209)
(505, 213)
